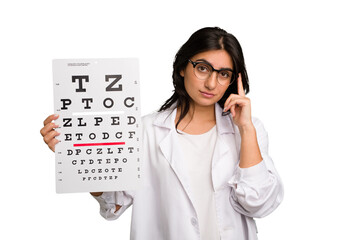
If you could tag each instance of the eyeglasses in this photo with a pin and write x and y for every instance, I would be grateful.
(204, 70)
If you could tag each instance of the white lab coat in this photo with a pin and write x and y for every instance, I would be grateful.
(162, 207)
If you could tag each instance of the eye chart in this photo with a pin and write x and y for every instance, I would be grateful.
(98, 103)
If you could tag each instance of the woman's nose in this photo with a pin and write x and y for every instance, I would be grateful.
(211, 82)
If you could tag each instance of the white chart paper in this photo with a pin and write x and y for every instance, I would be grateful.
(98, 101)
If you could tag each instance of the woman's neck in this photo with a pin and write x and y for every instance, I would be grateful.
(198, 120)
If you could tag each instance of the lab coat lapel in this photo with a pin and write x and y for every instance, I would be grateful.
(225, 126)
(171, 149)
(221, 152)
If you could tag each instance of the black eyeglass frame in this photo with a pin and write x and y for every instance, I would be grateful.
(216, 70)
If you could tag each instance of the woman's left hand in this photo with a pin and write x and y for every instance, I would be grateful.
(239, 106)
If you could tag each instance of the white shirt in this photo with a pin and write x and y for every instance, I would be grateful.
(198, 152)
(163, 207)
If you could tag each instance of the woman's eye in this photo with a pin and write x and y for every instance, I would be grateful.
(224, 74)
(203, 68)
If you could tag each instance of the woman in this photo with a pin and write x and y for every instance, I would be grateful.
(206, 169)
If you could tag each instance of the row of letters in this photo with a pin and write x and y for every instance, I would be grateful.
(68, 122)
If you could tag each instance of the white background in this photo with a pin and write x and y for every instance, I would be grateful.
(303, 64)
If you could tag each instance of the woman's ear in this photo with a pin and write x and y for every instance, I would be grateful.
(182, 73)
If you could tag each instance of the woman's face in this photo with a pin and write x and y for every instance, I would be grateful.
(206, 92)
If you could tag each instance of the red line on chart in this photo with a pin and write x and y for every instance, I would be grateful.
(98, 144)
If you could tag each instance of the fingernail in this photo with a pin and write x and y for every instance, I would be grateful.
(225, 113)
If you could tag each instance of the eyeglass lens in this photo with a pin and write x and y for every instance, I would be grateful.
(203, 71)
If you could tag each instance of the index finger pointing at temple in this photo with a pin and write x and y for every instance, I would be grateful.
(241, 91)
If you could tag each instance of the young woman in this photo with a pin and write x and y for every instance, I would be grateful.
(206, 170)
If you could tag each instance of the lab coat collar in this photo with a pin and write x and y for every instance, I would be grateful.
(166, 119)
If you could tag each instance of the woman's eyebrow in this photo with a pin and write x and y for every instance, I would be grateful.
(205, 61)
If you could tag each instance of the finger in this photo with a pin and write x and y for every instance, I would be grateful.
(241, 91)
(50, 136)
(241, 101)
(52, 144)
(50, 118)
(232, 110)
(228, 100)
(47, 128)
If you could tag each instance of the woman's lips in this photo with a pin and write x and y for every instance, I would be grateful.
(206, 94)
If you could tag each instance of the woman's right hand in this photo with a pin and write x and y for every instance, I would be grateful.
(48, 131)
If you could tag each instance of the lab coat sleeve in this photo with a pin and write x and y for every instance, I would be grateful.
(108, 200)
(257, 191)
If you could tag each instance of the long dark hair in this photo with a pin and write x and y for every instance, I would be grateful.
(205, 39)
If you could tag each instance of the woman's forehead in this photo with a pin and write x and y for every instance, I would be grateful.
(217, 58)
